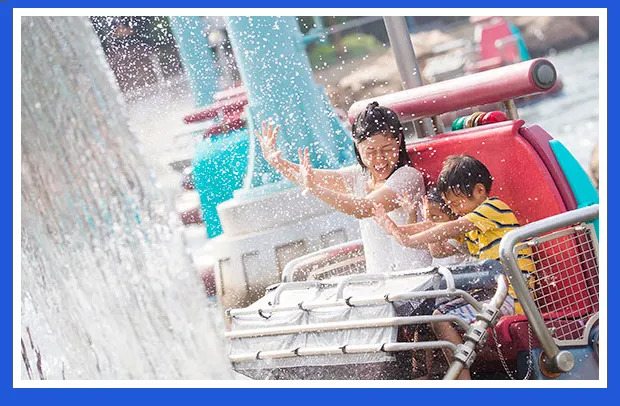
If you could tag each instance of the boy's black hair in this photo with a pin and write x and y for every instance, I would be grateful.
(379, 120)
(460, 173)
(434, 196)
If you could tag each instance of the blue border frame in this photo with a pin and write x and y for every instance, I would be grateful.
(11, 396)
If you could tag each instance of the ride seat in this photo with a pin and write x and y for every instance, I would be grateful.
(521, 178)
(490, 33)
(526, 177)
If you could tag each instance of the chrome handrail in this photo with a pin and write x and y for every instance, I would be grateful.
(449, 292)
(345, 349)
(293, 286)
(476, 333)
(556, 360)
(488, 314)
(306, 260)
(359, 301)
(356, 278)
(344, 325)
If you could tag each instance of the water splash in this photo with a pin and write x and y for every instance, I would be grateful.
(107, 292)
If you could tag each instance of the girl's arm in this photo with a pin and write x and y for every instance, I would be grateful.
(360, 207)
(326, 178)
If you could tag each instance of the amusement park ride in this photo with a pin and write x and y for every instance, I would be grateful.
(318, 315)
(496, 43)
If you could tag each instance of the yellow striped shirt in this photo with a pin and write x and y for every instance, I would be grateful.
(493, 219)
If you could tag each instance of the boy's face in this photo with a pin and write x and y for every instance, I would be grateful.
(462, 204)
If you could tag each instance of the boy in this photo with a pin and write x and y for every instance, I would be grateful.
(465, 183)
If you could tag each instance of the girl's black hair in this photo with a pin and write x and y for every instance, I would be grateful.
(379, 120)
(434, 196)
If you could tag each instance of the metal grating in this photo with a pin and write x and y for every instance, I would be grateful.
(566, 289)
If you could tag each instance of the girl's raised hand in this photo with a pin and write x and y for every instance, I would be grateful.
(267, 143)
(410, 206)
(305, 169)
(426, 208)
(381, 217)
(378, 211)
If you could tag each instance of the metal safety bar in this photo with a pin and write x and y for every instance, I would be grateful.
(345, 349)
(344, 325)
(294, 286)
(321, 257)
(476, 334)
(319, 272)
(373, 277)
(555, 360)
(358, 278)
(463, 355)
(360, 301)
(448, 292)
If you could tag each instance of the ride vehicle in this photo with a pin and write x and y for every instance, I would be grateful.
(328, 319)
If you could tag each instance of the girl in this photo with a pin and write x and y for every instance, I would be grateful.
(383, 173)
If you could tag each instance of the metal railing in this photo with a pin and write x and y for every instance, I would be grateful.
(345, 349)
(476, 334)
(464, 354)
(344, 257)
(454, 287)
(562, 305)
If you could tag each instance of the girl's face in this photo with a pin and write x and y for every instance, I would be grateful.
(380, 155)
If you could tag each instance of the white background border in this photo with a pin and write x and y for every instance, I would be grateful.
(17, 359)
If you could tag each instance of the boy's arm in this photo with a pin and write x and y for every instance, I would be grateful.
(441, 249)
(441, 232)
(415, 228)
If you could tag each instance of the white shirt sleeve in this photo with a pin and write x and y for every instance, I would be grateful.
(407, 180)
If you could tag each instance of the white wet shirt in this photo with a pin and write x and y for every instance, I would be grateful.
(383, 253)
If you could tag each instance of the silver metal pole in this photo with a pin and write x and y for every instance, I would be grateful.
(407, 63)
(511, 109)
(469, 346)
(346, 349)
(358, 302)
(345, 325)
(291, 267)
(560, 361)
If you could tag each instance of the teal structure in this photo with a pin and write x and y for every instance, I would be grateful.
(198, 60)
(271, 57)
(219, 161)
(584, 191)
(523, 52)
(220, 164)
